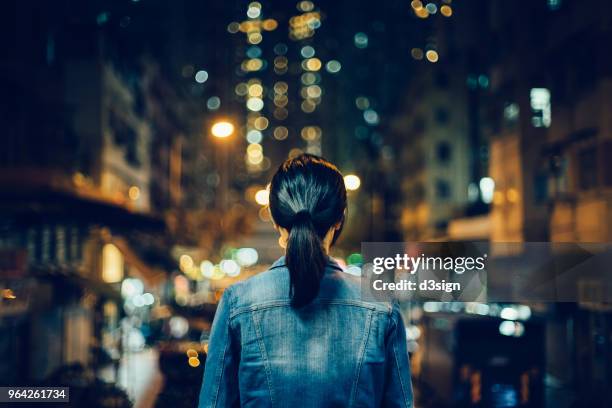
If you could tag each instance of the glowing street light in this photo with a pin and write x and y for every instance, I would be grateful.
(222, 129)
(352, 182)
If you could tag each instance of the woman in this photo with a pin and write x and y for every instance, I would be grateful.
(299, 334)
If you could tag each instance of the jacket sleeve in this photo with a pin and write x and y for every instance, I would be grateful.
(220, 384)
(398, 386)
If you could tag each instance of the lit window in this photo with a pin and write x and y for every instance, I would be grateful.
(540, 106)
(112, 264)
(487, 189)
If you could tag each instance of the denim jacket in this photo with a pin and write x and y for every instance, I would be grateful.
(338, 351)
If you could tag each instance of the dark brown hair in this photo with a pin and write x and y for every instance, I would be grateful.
(307, 197)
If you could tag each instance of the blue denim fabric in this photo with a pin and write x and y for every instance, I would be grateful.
(338, 351)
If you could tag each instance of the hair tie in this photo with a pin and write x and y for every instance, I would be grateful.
(302, 216)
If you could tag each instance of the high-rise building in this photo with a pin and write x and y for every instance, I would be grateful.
(441, 152)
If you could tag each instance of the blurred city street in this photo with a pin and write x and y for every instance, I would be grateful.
(138, 138)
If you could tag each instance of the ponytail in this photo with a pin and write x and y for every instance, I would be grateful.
(305, 260)
(307, 198)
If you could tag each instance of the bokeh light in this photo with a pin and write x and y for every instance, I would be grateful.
(269, 24)
(432, 56)
(280, 133)
(417, 53)
(201, 76)
(254, 136)
(312, 64)
(222, 129)
(213, 103)
(230, 267)
(134, 193)
(255, 104)
(361, 40)
(262, 197)
(254, 10)
(352, 182)
(247, 256)
(307, 51)
(233, 27)
(261, 123)
(207, 269)
(194, 362)
(362, 102)
(371, 117)
(333, 66)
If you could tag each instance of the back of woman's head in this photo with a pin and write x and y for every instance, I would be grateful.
(307, 198)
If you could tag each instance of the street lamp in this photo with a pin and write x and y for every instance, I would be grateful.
(222, 129)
